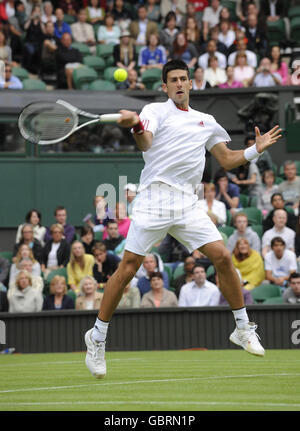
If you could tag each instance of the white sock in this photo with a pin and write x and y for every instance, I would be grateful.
(241, 317)
(100, 331)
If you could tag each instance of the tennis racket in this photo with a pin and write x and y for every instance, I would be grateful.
(47, 123)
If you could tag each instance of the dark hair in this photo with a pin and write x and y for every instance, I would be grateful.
(156, 274)
(59, 207)
(174, 65)
(279, 61)
(170, 15)
(29, 214)
(276, 194)
(198, 67)
(294, 275)
(221, 173)
(85, 230)
(267, 171)
(198, 265)
(111, 221)
(249, 137)
(277, 239)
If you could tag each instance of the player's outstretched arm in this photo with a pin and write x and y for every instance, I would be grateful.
(230, 159)
(142, 137)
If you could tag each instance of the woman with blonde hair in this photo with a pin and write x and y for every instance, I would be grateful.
(58, 298)
(249, 262)
(89, 298)
(242, 71)
(80, 265)
(24, 252)
(56, 252)
(25, 298)
(124, 53)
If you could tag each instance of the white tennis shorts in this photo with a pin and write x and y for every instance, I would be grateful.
(156, 214)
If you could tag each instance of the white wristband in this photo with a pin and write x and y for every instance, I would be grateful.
(251, 153)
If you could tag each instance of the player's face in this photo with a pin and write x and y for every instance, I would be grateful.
(178, 87)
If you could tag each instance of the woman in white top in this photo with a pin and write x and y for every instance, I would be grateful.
(56, 252)
(48, 12)
(24, 252)
(226, 35)
(212, 206)
(25, 297)
(242, 72)
(33, 217)
(109, 33)
(266, 190)
(214, 74)
(89, 298)
(95, 13)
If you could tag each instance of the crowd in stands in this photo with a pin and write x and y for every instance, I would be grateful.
(56, 267)
(224, 46)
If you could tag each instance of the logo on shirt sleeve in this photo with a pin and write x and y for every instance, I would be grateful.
(201, 123)
(145, 124)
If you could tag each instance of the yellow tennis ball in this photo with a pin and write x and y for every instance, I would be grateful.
(120, 75)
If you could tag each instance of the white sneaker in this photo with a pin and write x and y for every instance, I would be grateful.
(248, 339)
(95, 356)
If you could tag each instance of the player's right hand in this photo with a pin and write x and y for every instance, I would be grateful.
(128, 118)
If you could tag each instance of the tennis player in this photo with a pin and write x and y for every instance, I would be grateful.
(174, 138)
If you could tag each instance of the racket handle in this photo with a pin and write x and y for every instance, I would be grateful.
(109, 118)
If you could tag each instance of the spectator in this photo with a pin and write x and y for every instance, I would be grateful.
(122, 15)
(133, 82)
(211, 50)
(105, 264)
(141, 29)
(263, 76)
(278, 65)
(95, 13)
(10, 8)
(193, 12)
(47, 14)
(172, 250)
(80, 265)
(277, 202)
(89, 298)
(199, 83)
(130, 193)
(25, 298)
(33, 40)
(248, 300)
(279, 229)
(3, 302)
(83, 32)
(292, 293)
(225, 15)
(249, 262)
(290, 188)
(114, 241)
(272, 9)
(34, 218)
(199, 292)
(56, 252)
(297, 239)
(87, 239)
(241, 47)
(266, 191)
(153, 55)
(50, 45)
(60, 214)
(279, 263)
(242, 71)
(60, 26)
(153, 11)
(187, 276)
(176, 6)
(103, 214)
(226, 192)
(17, 32)
(257, 40)
(69, 7)
(28, 238)
(241, 9)
(158, 296)
(150, 264)
(124, 53)
(122, 220)
(67, 59)
(109, 32)
(243, 231)
(211, 17)
(213, 206)
(192, 31)
(248, 179)
(58, 298)
(168, 33)
(231, 82)
(226, 35)
(10, 82)
(214, 35)
(182, 50)
(26, 264)
(4, 271)
(5, 50)
(24, 252)
(131, 297)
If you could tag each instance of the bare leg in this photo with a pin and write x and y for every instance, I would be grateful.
(69, 76)
(229, 281)
(116, 284)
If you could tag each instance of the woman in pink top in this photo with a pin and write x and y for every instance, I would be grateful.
(122, 220)
(279, 66)
(231, 82)
(242, 72)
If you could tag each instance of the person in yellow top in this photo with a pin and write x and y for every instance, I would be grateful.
(249, 262)
(80, 265)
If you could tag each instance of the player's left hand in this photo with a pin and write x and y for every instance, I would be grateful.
(265, 141)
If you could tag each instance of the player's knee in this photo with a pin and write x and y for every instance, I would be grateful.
(223, 258)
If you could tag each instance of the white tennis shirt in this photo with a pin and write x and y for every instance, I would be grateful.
(180, 141)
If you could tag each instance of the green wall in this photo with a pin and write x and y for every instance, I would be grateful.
(46, 182)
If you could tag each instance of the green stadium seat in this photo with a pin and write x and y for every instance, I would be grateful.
(96, 28)
(150, 76)
(231, 6)
(210, 271)
(102, 85)
(169, 271)
(96, 63)
(83, 76)
(98, 236)
(110, 61)
(191, 73)
(252, 201)
(61, 271)
(265, 291)
(179, 270)
(258, 229)
(228, 230)
(275, 300)
(228, 218)
(82, 47)
(254, 215)
(69, 19)
(7, 255)
(72, 294)
(105, 50)
(244, 200)
(293, 12)
(156, 85)
(109, 74)
(295, 29)
(34, 84)
(276, 31)
(20, 73)
(278, 180)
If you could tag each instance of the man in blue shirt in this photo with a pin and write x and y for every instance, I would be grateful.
(61, 27)
(227, 192)
(10, 81)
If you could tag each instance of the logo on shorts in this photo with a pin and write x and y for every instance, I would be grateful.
(201, 123)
